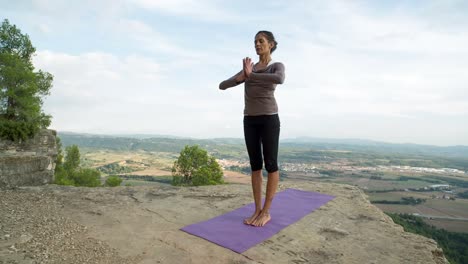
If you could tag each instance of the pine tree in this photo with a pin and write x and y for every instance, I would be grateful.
(72, 158)
(21, 87)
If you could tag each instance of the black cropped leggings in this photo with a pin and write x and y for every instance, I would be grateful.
(262, 131)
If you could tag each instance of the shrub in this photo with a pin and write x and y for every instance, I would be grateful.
(61, 177)
(16, 130)
(113, 181)
(86, 177)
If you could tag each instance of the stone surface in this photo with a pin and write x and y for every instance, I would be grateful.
(30, 162)
(140, 224)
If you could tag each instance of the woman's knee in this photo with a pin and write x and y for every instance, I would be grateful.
(256, 165)
(271, 166)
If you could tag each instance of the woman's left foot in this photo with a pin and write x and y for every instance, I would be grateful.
(262, 219)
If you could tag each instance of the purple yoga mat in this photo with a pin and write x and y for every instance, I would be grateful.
(229, 231)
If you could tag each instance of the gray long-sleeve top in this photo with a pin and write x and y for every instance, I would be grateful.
(259, 89)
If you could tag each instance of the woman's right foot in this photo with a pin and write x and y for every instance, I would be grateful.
(250, 220)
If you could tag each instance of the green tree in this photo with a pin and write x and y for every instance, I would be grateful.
(21, 87)
(195, 167)
(60, 175)
(70, 173)
(59, 159)
(72, 159)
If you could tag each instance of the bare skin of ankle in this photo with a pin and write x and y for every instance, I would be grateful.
(262, 219)
(249, 221)
(261, 216)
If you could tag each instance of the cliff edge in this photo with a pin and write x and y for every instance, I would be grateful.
(61, 224)
(30, 162)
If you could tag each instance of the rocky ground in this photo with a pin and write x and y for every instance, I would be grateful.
(140, 224)
(34, 228)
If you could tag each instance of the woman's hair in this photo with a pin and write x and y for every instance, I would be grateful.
(269, 36)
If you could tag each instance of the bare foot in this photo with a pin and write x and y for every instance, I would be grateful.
(261, 219)
(248, 221)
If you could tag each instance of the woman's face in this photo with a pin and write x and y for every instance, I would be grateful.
(262, 45)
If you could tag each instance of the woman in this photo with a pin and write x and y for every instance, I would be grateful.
(261, 120)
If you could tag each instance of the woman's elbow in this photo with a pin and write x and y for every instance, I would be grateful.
(281, 80)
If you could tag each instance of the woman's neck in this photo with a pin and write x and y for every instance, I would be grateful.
(265, 59)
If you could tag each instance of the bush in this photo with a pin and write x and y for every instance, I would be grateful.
(61, 177)
(86, 177)
(113, 181)
(16, 131)
(83, 177)
(195, 167)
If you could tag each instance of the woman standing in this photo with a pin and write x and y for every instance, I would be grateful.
(261, 120)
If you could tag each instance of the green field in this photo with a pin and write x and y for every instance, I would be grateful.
(449, 225)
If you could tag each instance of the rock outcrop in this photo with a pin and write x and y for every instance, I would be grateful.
(28, 163)
(140, 224)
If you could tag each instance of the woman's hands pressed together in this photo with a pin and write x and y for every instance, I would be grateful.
(247, 66)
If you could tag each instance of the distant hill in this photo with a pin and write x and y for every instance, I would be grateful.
(173, 143)
(378, 147)
(359, 152)
(222, 148)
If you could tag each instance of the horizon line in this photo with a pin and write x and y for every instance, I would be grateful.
(241, 138)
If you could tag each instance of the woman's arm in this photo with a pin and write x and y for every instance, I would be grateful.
(276, 77)
(233, 81)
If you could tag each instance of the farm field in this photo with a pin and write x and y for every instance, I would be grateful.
(441, 213)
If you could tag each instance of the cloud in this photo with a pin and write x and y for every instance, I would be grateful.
(388, 65)
(96, 84)
(102, 92)
(148, 39)
(201, 9)
(353, 68)
(44, 28)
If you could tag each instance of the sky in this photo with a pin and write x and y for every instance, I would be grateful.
(392, 71)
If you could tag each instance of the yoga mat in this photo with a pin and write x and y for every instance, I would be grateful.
(229, 231)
